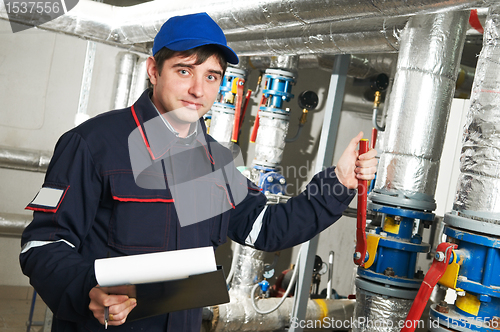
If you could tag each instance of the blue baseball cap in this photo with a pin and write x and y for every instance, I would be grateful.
(182, 33)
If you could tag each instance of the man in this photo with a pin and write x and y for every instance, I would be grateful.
(109, 190)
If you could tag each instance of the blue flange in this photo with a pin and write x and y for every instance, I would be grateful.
(394, 281)
(397, 211)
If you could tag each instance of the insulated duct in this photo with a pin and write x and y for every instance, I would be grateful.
(139, 81)
(419, 105)
(478, 187)
(25, 160)
(248, 271)
(239, 315)
(125, 70)
(379, 313)
(134, 27)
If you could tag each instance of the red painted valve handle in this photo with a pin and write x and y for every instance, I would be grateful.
(255, 129)
(237, 112)
(436, 271)
(360, 252)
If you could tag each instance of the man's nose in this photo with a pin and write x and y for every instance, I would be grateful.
(196, 87)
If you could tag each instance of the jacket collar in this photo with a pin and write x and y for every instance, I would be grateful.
(155, 134)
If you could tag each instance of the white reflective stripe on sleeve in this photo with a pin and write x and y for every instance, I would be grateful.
(33, 244)
(257, 225)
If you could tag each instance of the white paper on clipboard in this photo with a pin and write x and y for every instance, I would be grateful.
(154, 267)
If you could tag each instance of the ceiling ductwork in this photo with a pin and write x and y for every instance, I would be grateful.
(256, 28)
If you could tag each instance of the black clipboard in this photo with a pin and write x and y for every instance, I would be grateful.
(196, 291)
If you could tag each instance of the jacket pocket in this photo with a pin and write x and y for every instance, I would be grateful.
(142, 219)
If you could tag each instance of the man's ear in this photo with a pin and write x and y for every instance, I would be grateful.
(152, 70)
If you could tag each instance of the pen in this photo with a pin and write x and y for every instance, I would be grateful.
(106, 317)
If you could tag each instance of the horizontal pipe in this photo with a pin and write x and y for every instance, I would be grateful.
(134, 27)
(22, 159)
(239, 315)
(13, 225)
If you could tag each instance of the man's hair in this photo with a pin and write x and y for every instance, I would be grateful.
(202, 54)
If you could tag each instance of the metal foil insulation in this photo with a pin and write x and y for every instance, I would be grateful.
(139, 81)
(285, 62)
(375, 35)
(478, 187)
(239, 315)
(134, 27)
(125, 70)
(221, 126)
(420, 102)
(26, 160)
(377, 313)
(270, 141)
(248, 271)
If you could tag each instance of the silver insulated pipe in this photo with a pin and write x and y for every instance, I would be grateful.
(418, 111)
(249, 268)
(478, 187)
(124, 73)
(253, 27)
(419, 105)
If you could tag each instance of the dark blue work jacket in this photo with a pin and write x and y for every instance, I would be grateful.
(102, 212)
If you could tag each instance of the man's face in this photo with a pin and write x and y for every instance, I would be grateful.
(183, 91)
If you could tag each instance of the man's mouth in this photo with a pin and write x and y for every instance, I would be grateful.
(191, 105)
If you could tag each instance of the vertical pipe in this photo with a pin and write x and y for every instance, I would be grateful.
(325, 158)
(139, 81)
(478, 187)
(124, 74)
(88, 68)
(420, 101)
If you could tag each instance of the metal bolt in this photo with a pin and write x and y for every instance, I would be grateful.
(398, 218)
(389, 272)
(440, 256)
(282, 181)
(270, 179)
(357, 255)
(442, 307)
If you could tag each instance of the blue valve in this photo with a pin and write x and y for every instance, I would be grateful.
(264, 285)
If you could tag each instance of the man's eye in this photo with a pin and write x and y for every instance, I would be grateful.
(212, 78)
(183, 72)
